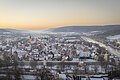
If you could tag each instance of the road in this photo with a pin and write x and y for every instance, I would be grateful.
(111, 50)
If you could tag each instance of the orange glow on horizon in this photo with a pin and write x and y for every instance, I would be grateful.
(44, 14)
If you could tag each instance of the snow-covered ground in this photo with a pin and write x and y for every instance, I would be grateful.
(92, 33)
(114, 37)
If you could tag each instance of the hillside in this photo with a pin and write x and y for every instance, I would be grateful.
(12, 31)
(84, 28)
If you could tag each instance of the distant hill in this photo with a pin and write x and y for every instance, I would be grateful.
(11, 31)
(111, 29)
(84, 28)
(3, 30)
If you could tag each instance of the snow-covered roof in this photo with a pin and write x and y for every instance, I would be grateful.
(63, 76)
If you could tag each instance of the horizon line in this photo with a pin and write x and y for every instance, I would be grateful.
(66, 26)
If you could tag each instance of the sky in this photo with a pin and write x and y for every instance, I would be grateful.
(43, 14)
